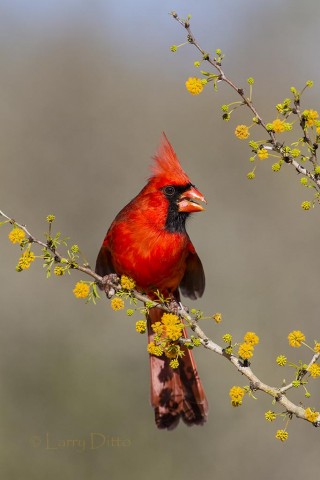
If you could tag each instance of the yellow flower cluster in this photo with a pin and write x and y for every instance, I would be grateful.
(236, 395)
(194, 85)
(81, 290)
(117, 303)
(314, 370)
(25, 260)
(246, 349)
(310, 117)
(282, 435)
(242, 132)
(296, 338)
(311, 415)
(167, 331)
(16, 235)
(127, 283)
(317, 347)
(141, 326)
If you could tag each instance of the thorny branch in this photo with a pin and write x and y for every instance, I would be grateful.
(278, 394)
(276, 146)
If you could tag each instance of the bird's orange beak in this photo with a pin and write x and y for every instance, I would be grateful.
(188, 201)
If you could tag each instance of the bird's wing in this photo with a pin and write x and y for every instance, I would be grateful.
(193, 282)
(104, 264)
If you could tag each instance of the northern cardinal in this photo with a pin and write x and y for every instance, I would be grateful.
(148, 242)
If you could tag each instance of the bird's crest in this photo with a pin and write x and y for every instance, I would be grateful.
(166, 167)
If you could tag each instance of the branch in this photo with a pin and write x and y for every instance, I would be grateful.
(275, 145)
(110, 283)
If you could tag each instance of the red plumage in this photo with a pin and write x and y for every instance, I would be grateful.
(148, 242)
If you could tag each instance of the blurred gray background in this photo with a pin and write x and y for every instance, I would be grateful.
(86, 88)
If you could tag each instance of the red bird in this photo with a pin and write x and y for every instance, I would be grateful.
(148, 242)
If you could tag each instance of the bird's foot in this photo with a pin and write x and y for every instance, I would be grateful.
(108, 284)
(174, 306)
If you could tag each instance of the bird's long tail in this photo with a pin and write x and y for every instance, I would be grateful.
(175, 393)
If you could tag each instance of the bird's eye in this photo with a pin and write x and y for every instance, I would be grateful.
(169, 190)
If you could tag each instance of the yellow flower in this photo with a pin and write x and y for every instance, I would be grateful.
(58, 270)
(228, 350)
(251, 337)
(310, 117)
(169, 319)
(157, 327)
(281, 360)
(25, 260)
(81, 290)
(282, 435)
(194, 85)
(173, 351)
(270, 416)
(173, 326)
(311, 415)
(51, 218)
(217, 317)
(245, 351)
(314, 370)
(278, 125)
(154, 349)
(16, 235)
(276, 167)
(242, 132)
(174, 363)
(174, 332)
(306, 205)
(227, 338)
(295, 338)
(236, 395)
(263, 153)
(295, 152)
(317, 347)
(127, 283)
(251, 175)
(117, 303)
(141, 326)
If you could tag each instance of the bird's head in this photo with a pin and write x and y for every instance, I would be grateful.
(169, 178)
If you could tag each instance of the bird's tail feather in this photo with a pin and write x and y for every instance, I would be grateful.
(175, 393)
